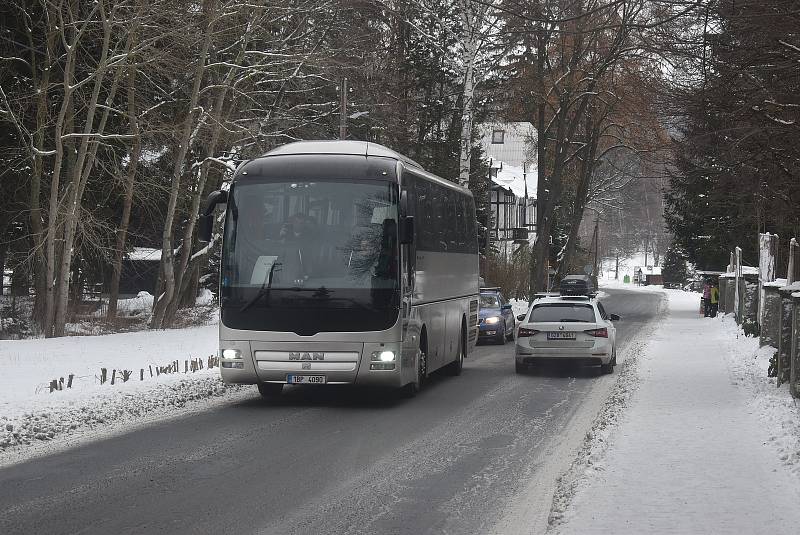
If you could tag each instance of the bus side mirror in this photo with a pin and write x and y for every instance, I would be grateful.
(205, 221)
(406, 230)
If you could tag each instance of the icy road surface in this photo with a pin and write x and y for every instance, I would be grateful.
(477, 453)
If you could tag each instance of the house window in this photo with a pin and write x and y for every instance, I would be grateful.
(498, 137)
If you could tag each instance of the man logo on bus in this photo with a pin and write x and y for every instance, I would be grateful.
(306, 356)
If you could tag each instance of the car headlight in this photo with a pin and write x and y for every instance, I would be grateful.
(231, 354)
(492, 320)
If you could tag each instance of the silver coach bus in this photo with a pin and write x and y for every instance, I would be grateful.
(344, 262)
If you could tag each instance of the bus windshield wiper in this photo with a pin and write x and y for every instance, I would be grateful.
(323, 293)
(265, 288)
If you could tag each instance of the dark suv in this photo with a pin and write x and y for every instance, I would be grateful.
(496, 317)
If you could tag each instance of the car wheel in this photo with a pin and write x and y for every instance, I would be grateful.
(609, 368)
(501, 336)
(511, 335)
(270, 390)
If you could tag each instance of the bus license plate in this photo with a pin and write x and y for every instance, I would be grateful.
(558, 335)
(305, 379)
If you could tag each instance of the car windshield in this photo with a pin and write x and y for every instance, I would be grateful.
(562, 312)
(489, 301)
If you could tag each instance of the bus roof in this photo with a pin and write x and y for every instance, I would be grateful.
(355, 148)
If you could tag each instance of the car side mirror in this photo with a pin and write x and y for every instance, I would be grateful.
(205, 222)
(521, 317)
(505, 307)
(613, 317)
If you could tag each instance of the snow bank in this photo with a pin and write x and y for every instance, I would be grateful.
(146, 254)
(141, 304)
(30, 412)
(205, 298)
(773, 406)
(519, 306)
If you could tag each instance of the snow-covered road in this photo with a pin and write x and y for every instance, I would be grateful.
(697, 450)
(477, 454)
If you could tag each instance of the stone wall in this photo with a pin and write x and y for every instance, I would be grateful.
(750, 291)
(770, 326)
(785, 336)
(730, 293)
(794, 375)
(723, 285)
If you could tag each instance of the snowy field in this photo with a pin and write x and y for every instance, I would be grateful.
(30, 413)
(696, 440)
(626, 266)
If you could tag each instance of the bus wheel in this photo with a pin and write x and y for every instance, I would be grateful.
(411, 389)
(455, 367)
(270, 390)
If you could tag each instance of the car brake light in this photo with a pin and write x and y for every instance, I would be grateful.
(524, 332)
(599, 333)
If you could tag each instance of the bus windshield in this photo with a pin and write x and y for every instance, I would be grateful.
(318, 239)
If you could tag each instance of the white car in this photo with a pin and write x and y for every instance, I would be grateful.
(575, 329)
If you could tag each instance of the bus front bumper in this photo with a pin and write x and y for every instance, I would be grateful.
(262, 362)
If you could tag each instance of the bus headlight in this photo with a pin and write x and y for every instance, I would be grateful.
(382, 360)
(383, 356)
(233, 354)
(492, 320)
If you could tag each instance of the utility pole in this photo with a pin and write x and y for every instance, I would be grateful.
(596, 225)
(343, 111)
(488, 211)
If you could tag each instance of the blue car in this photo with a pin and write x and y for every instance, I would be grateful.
(496, 318)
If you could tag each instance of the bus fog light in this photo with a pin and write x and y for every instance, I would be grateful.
(234, 365)
(383, 356)
(381, 366)
(231, 354)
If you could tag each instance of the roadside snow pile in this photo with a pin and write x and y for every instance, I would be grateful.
(775, 407)
(205, 298)
(137, 362)
(519, 306)
(141, 304)
(103, 410)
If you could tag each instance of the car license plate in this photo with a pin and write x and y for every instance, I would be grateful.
(306, 379)
(560, 335)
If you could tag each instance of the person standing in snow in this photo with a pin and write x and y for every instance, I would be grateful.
(714, 296)
(706, 299)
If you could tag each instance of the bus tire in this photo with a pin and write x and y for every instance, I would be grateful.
(270, 390)
(413, 388)
(455, 367)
